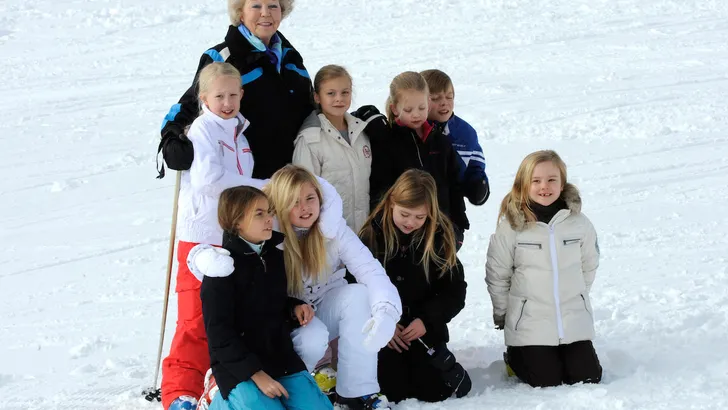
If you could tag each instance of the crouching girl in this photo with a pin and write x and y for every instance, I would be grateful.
(248, 315)
(414, 241)
(541, 264)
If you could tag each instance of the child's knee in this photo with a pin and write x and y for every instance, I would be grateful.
(311, 341)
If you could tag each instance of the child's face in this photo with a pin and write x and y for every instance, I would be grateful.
(441, 105)
(546, 185)
(258, 226)
(307, 208)
(411, 110)
(334, 96)
(262, 18)
(409, 220)
(223, 97)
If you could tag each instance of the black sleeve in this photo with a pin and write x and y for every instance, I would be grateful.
(384, 165)
(457, 203)
(225, 343)
(176, 148)
(449, 299)
(291, 304)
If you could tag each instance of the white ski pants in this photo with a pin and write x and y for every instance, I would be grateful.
(342, 312)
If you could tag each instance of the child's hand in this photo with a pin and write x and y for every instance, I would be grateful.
(268, 386)
(397, 344)
(414, 331)
(304, 313)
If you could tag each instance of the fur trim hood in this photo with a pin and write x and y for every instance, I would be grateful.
(570, 195)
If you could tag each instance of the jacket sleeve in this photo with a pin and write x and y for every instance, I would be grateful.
(368, 271)
(449, 299)
(208, 175)
(457, 203)
(383, 168)
(475, 181)
(589, 255)
(304, 157)
(499, 266)
(176, 149)
(225, 343)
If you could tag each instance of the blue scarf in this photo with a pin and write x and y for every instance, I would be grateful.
(274, 51)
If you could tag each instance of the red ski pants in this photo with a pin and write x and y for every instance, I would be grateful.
(183, 371)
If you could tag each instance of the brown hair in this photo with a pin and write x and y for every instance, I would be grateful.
(409, 80)
(305, 255)
(412, 189)
(329, 72)
(518, 201)
(235, 204)
(437, 81)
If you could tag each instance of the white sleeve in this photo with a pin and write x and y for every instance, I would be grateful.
(332, 210)
(368, 271)
(589, 255)
(304, 157)
(499, 267)
(208, 175)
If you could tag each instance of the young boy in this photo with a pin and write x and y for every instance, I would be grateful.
(462, 136)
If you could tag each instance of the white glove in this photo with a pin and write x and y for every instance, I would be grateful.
(378, 330)
(207, 260)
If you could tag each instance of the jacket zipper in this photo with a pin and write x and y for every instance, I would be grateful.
(555, 267)
(417, 148)
(585, 307)
(523, 308)
(237, 157)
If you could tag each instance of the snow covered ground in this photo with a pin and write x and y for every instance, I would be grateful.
(632, 93)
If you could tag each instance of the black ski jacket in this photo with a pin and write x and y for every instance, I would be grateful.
(249, 316)
(275, 104)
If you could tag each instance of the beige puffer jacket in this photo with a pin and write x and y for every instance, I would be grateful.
(321, 149)
(539, 276)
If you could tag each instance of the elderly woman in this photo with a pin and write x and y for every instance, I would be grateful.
(277, 98)
(277, 88)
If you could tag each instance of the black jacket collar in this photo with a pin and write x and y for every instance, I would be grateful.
(236, 245)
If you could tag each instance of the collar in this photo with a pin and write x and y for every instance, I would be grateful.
(228, 125)
(275, 47)
(427, 128)
(238, 245)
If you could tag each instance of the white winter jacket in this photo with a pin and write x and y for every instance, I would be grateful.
(345, 249)
(222, 160)
(539, 276)
(321, 149)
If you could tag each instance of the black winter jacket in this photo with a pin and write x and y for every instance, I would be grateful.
(275, 104)
(249, 316)
(435, 303)
(397, 148)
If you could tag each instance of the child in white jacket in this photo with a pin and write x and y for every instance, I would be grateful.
(541, 264)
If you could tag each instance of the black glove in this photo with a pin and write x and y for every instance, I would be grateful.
(476, 187)
(177, 151)
(500, 322)
(365, 112)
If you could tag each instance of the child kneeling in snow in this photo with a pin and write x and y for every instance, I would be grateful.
(248, 314)
(541, 264)
(415, 242)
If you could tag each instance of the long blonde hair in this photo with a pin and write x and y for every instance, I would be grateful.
(305, 255)
(518, 201)
(408, 80)
(412, 189)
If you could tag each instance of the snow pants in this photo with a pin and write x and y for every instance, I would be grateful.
(183, 371)
(303, 393)
(543, 366)
(410, 375)
(342, 312)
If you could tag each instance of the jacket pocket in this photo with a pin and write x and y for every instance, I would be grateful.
(568, 242)
(586, 306)
(529, 245)
(520, 316)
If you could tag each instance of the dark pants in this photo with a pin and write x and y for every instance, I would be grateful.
(410, 375)
(543, 366)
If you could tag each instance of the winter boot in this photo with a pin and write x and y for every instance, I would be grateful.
(210, 391)
(376, 401)
(325, 378)
(184, 403)
(509, 371)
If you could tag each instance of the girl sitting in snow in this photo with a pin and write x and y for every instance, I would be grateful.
(541, 264)
(415, 243)
(363, 315)
(248, 315)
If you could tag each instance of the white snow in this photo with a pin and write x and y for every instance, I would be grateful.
(632, 93)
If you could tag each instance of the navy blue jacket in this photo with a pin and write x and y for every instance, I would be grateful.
(275, 104)
(249, 317)
(464, 140)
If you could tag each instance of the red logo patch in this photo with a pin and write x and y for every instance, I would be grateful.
(367, 152)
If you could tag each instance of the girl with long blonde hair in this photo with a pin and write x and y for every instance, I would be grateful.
(414, 240)
(363, 315)
(541, 265)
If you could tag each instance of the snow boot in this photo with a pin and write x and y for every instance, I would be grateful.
(376, 401)
(184, 403)
(509, 371)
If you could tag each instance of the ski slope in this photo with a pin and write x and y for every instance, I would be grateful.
(632, 94)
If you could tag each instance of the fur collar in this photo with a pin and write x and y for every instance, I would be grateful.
(570, 195)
